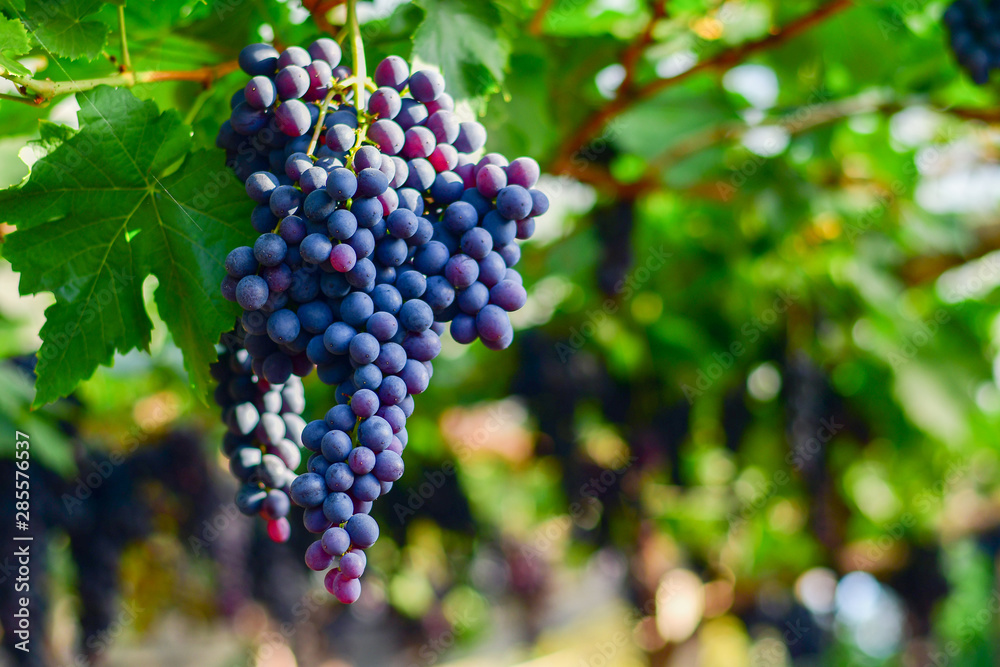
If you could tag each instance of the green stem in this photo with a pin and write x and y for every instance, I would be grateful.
(358, 51)
(322, 117)
(44, 90)
(196, 107)
(126, 60)
(22, 100)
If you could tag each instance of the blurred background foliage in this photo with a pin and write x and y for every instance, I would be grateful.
(750, 416)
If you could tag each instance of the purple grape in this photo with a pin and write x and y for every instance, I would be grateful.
(341, 137)
(461, 271)
(258, 59)
(514, 202)
(388, 135)
(421, 175)
(491, 269)
(251, 292)
(336, 541)
(444, 125)
(523, 171)
(317, 559)
(492, 323)
(411, 113)
(423, 346)
(327, 50)
(391, 358)
(444, 157)
(443, 102)
(308, 490)
(369, 157)
(293, 118)
(339, 477)
(364, 403)
(490, 181)
(260, 92)
(510, 253)
(341, 184)
(473, 298)
(509, 295)
(352, 565)
(447, 188)
(320, 76)
(294, 55)
(363, 530)
(539, 203)
(336, 445)
(312, 180)
(385, 103)
(392, 72)
(366, 488)
(342, 257)
(471, 137)
(388, 466)
(364, 348)
(345, 590)
(247, 120)
(341, 225)
(418, 142)
(463, 328)
(426, 85)
(361, 459)
(292, 82)
(338, 508)
(241, 262)
(371, 183)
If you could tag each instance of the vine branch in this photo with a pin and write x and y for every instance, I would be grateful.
(538, 20)
(41, 91)
(632, 54)
(628, 97)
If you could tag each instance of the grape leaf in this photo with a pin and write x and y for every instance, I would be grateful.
(114, 203)
(461, 37)
(61, 28)
(13, 42)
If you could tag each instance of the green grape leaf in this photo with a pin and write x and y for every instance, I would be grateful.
(116, 202)
(461, 38)
(13, 42)
(63, 28)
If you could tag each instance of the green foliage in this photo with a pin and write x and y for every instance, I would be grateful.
(653, 284)
(67, 28)
(110, 205)
(13, 42)
(461, 37)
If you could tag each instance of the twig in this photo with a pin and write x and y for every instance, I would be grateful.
(626, 98)
(631, 55)
(334, 91)
(23, 100)
(538, 20)
(40, 91)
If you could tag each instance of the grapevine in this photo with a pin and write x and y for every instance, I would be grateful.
(377, 228)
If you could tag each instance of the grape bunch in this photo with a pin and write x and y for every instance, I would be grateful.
(378, 227)
(974, 27)
(263, 441)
